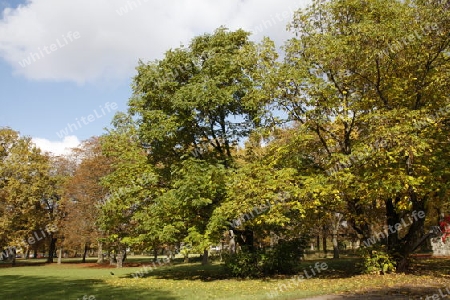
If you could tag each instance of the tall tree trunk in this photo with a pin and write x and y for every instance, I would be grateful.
(335, 224)
(52, 249)
(120, 258)
(59, 255)
(318, 242)
(335, 244)
(155, 253)
(100, 253)
(401, 249)
(205, 257)
(392, 218)
(27, 252)
(112, 257)
(13, 253)
(324, 240)
(86, 248)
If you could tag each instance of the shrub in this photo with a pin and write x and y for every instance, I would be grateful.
(283, 258)
(243, 264)
(377, 261)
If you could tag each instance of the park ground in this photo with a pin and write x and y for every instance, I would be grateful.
(33, 279)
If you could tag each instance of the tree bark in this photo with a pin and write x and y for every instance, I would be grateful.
(100, 253)
(120, 258)
(59, 255)
(400, 249)
(155, 253)
(336, 223)
(335, 244)
(13, 256)
(318, 242)
(205, 257)
(112, 257)
(86, 248)
(52, 249)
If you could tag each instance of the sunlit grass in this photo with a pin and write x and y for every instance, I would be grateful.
(72, 280)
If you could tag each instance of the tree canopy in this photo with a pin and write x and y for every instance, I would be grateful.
(348, 121)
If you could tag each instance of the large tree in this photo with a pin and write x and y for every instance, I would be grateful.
(367, 81)
(129, 214)
(30, 185)
(84, 195)
(192, 112)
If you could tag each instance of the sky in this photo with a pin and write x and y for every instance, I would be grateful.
(66, 67)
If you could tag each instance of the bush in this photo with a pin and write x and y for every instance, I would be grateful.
(377, 261)
(243, 264)
(283, 258)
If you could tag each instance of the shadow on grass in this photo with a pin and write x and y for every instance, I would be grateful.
(432, 266)
(32, 287)
(184, 272)
(337, 268)
(342, 268)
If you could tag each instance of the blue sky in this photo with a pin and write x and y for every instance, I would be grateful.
(66, 66)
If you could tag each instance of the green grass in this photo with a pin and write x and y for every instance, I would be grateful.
(35, 280)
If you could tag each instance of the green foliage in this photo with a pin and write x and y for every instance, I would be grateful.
(284, 257)
(30, 188)
(376, 260)
(243, 264)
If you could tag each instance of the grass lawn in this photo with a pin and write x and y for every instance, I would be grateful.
(35, 280)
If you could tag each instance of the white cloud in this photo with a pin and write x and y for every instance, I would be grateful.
(114, 34)
(57, 147)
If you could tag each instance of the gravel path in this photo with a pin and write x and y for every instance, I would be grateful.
(365, 297)
(354, 297)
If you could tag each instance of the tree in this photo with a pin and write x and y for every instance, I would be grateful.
(192, 104)
(367, 82)
(30, 190)
(83, 197)
(128, 217)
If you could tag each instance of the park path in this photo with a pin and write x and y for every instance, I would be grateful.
(365, 297)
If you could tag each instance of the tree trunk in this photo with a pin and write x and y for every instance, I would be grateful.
(249, 240)
(52, 249)
(318, 242)
(27, 253)
(335, 224)
(13, 253)
(100, 253)
(400, 249)
(324, 241)
(155, 253)
(205, 257)
(59, 255)
(335, 244)
(112, 257)
(86, 248)
(119, 259)
(392, 218)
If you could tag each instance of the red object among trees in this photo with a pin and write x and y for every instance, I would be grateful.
(445, 228)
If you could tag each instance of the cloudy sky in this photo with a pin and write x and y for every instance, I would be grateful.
(66, 66)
